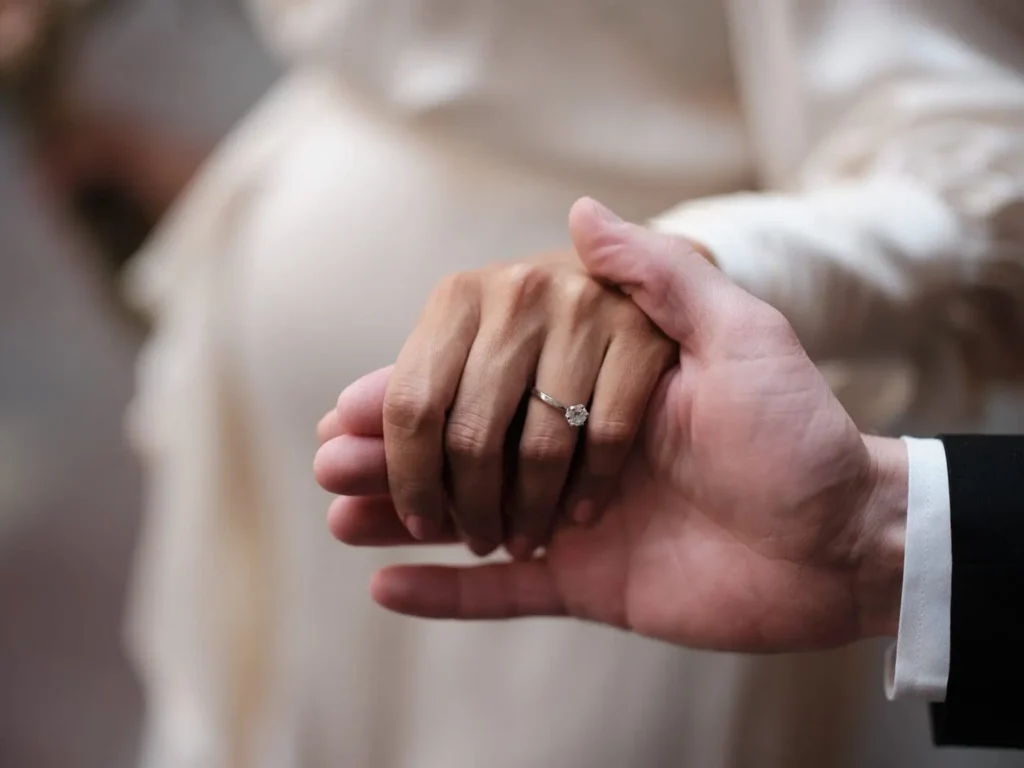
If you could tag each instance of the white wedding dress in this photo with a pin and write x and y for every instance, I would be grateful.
(413, 138)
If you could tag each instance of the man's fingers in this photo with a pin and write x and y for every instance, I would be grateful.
(371, 521)
(328, 427)
(360, 409)
(352, 466)
(492, 591)
(666, 276)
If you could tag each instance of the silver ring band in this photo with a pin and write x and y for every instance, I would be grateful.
(576, 415)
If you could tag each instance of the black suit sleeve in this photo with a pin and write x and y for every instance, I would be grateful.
(984, 703)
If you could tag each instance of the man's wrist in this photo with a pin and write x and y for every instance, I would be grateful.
(883, 522)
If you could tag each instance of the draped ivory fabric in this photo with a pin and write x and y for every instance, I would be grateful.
(413, 138)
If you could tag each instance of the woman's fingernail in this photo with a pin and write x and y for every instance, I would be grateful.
(584, 512)
(481, 548)
(521, 547)
(419, 527)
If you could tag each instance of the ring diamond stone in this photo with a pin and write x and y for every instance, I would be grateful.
(576, 415)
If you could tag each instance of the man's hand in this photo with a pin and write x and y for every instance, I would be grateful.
(751, 514)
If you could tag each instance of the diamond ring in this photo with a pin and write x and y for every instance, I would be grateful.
(576, 415)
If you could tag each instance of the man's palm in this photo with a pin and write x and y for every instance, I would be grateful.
(713, 539)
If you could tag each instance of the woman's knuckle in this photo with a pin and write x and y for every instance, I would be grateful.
(525, 285)
(455, 286)
(410, 404)
(545, 447)
(583, 297)
(470, 437)
(611, 433)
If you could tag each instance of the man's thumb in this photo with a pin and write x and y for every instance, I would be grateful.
(665, 275)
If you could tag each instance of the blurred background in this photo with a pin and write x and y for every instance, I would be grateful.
(108, 109)
(171, 76)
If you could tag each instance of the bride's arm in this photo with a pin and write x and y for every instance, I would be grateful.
(902, 235)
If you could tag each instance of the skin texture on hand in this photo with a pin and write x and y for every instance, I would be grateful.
(457, 407)
(751, 515)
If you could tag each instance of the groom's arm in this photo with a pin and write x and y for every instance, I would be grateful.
(961, 627)
(983, 705)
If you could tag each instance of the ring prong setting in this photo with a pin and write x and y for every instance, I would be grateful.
(576, 415)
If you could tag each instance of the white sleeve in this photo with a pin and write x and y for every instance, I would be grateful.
(918, 664)
(901, 234)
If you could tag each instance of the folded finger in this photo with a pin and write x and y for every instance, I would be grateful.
(419, 393)
(567, 370)
(328, 427)
(624, 386)
(497, 371)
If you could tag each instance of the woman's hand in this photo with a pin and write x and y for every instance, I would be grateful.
(751, 514)
(458, 412)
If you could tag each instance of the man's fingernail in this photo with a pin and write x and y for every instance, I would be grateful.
(606, 213)
(419, 527)
(584, 512)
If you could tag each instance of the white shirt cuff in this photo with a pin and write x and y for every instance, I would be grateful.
(918, 664)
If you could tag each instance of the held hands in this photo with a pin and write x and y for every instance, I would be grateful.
(748, 514)
(455, 401)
